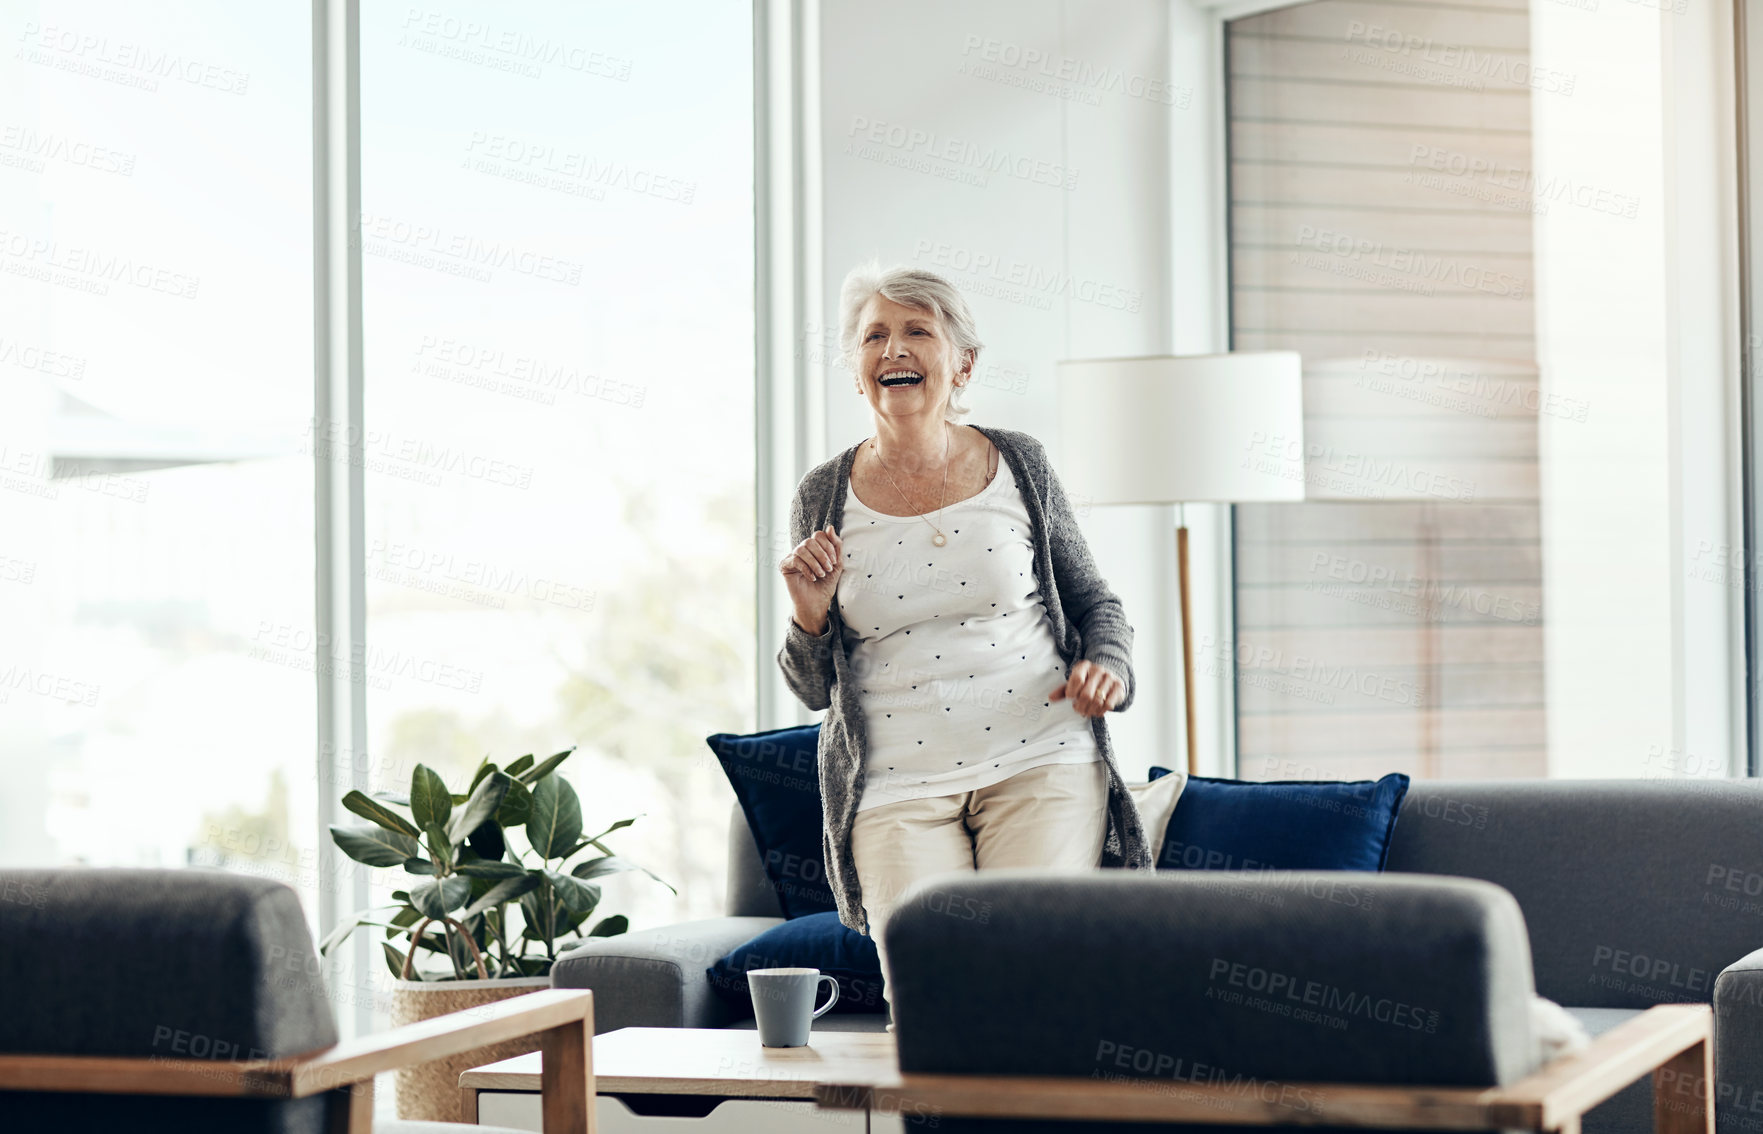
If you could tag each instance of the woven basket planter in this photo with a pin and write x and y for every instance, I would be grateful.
(430, 1091)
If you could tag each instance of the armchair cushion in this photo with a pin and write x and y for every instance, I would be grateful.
(1299, 977)
(179, 964)
(1224, 824)
(1738, 1046)
(182, 964)
(776, 777)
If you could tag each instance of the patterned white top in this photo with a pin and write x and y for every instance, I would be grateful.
(951, 649)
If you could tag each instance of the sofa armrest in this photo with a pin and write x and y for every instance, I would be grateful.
(654, 978)
(344, 1072)
(1738, 1047)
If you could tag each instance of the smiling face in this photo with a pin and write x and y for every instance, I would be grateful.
(906, 364)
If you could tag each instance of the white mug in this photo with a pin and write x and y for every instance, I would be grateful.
(783, 1003)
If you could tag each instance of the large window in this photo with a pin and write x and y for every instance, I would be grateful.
(156, 578)
(556, 242)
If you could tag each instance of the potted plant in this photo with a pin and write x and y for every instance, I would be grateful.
(463, 853)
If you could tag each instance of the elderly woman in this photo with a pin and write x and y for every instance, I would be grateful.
(950, 618)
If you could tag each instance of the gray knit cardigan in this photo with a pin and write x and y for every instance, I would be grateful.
(1086, 619)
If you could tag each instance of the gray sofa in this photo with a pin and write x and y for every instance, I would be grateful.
(1632, 893)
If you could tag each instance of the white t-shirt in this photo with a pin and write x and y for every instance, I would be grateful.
(951, 649)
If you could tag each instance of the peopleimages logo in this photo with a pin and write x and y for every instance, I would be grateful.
(865, 134)
(1322, 996)
(1143, 1061)
(1032, 279)
(1419, 268)
(1656, 973)
(1086, 76)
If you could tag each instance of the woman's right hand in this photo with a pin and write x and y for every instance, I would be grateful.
(811, 572)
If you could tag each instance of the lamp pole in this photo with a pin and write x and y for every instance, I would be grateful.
(1187, 635)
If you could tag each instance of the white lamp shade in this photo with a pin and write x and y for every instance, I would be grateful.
(1183, 430)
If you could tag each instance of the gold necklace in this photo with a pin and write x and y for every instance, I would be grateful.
(939, 539)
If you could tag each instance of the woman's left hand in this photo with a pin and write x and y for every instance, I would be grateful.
(1092, 689)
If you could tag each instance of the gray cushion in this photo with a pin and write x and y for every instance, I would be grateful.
(173, 963)
(654, 978)
(1738, 1047)
(750, 892)
(1289, 976)
(1635, 892)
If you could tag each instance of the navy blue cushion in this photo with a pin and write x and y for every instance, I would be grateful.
(818, 941)
(776, 777)
(1223, 824)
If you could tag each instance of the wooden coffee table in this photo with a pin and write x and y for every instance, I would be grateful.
(649, 1079)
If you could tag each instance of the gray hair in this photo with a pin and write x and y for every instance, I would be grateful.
(918, 288)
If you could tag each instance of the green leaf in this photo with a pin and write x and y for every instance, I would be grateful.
(556, 820)
(419, 866)
(407, 917)
(532, 776)
(484, 768)
(346, 927)
(578, 897)
(504, 891)
(487, 842)
(429, 801)
(612, 864)
(375, 846)
(611, 926)
(620, 825)
(491, 870)
(480, 807)
(395, 961)
(515, 808)
(438, 846)
(600, 867)
(434, 899)
(543, 914)
(377, 812)
(520, 765)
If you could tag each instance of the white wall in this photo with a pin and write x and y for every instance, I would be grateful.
(1635, 315)
(1702, 257)
(1067, 255)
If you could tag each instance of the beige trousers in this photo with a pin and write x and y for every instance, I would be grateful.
(1054, 816)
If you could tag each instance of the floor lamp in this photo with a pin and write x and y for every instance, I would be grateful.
(1217, 428)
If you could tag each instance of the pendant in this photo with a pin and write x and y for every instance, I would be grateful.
(939, 539)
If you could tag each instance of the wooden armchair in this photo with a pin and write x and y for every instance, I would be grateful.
(1251, 998)
(160, 1001)
(1673, 1043)
(562, 1019)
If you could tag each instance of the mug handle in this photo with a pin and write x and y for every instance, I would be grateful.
(828, 1006)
